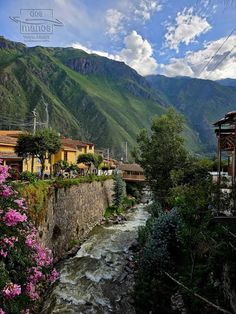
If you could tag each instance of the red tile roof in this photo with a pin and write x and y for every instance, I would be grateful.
(74, 143)
(7, 140)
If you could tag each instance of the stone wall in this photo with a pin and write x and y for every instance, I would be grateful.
(72, 212)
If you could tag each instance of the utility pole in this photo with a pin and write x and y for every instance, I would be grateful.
(47, 115)
(126, 151)
(108, 154)
(34, 131)
(34, 120)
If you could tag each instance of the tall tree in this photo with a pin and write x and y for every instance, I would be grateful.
(47, 143)
(160, 151)
(42, 144)
(97, 161)
(119, 189)
(25, 147)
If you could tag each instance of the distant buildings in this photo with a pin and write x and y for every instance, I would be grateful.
(69, 152)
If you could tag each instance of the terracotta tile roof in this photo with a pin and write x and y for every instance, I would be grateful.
(11, 133)
(7, 140)
(131, 167)
(74, 143)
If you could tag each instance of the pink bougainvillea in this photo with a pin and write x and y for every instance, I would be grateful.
(12, 217)
(25, 264)
(11, 290)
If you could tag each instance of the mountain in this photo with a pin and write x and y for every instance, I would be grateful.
(228, 82)
(87, 96)
(201, 101)
(100, 100)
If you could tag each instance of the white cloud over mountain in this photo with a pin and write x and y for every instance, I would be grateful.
(137, 53)
(186, 29)
(195, 64)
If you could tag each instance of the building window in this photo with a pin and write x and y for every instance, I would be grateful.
(65, 156)
(90, 147)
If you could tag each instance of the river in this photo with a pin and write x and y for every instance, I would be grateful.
(98, 279)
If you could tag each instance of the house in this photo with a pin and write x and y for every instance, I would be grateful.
(70, 150)
(225, 130)
(8, 155)
(132, 172)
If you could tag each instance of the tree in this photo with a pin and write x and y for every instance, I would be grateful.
(87, 159)
(42, 144)
(97, 161)
(119, 187)
(161, 151)
(25, 147)
(47, 143)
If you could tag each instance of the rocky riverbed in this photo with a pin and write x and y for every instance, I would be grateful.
(99, 278)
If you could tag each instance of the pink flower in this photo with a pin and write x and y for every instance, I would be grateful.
(12, 217)
(10, 241)
(30, 289)
(54, 275)
(36, 275)
(21, 203)
(3, 253)
(30, 240)
(27, 311)
(6, 190)
(1, 311)
(11, 290)
(43, 256)
(3, 173)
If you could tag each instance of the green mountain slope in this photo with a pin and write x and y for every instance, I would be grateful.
(88, 96)
(201, 101)
(100, 100)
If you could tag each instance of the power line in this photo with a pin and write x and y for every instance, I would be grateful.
(231, 33)
(229, 52)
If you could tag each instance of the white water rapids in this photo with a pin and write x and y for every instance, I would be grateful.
(96, 279)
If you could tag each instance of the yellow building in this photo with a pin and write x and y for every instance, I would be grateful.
(70, 150)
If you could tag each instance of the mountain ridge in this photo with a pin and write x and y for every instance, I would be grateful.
(91, 97)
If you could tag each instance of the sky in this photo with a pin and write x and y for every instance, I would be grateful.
(195, 38)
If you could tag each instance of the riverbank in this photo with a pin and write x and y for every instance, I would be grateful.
(99, 278)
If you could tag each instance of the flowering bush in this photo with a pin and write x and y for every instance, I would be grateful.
(24, 263)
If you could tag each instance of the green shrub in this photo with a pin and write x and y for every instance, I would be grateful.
(28, 176)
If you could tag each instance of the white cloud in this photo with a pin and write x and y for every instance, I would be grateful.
(117, 20)
(186, 29)
(195, 64)
(114, 23)
(137, 54)
(77, 45)
(145, 8)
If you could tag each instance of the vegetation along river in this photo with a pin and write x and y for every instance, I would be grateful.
(98, 278)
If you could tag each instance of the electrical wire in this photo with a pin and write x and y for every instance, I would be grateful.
(231, 33)
(229, 52)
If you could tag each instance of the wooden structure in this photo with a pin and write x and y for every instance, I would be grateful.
(225, 130)
(132, 172)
